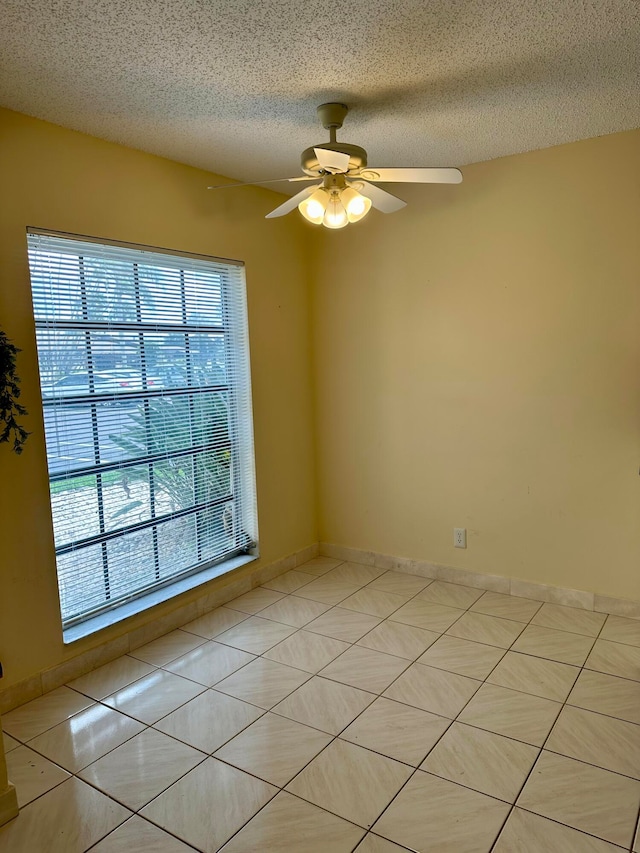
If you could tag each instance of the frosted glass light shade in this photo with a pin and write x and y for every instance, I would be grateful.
(335, 215)
(314, 207)
(334, 207)
(356, 205)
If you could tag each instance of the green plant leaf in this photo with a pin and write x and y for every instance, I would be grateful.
(9, 393)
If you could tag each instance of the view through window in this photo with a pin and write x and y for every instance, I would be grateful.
(145, 384)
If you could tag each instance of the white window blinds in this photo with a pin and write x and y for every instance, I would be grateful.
(144, 369)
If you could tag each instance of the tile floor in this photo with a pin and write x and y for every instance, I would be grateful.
(344, 708)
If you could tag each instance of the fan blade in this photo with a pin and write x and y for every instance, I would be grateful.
(413, 176)
(334, 162)
(290, 203)
(259, 183)
(381, 199)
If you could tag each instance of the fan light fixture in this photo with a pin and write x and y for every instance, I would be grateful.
(348, 188)
(335, 204)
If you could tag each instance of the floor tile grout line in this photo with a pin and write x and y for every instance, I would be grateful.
(211, 755)
(414, 769)
(53, 787)
(235, 671)
(419, 593)
(124, 713)
(527, 777)
(590, 763)
(177, 708)
(132, 652)
(209, 686)
(533, 654)
(283, 791)
(431, 581)
(205, 688)
(155, 796)
(205, 757)
(359, 714)
(526, 693)
(601, 713)
(255, 654)
(317, 674)
(121, 687)
(456, 719)
(371, 832)
(334, 737)
(147, 726)
(108, 752)
(509, 648)
(146, 820)
(573, 828)
(468, 610)
(307, 626)
(373, 580)
(296, 599)
(216, 688)
(279, 788)
(224, 743)
(296, 569)
(620, 642)
(135, 811)
(407, 663)
(337, 736)
(382, 619)
(541, 751)
(335, 814)
(208, 613)
(48, 729)
(378, 695)
(104, 794)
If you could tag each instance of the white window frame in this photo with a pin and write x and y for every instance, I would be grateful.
(52, 298)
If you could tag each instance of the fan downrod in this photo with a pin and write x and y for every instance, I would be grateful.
(332, 116)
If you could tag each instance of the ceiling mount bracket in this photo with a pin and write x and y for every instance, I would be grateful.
(332, 115)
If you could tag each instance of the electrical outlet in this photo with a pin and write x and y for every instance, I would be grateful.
(459, 537)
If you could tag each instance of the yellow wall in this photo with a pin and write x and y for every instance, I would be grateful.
(476, 355)
(58, 179)
(477, 358)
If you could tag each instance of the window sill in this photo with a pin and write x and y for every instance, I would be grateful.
(146, 602)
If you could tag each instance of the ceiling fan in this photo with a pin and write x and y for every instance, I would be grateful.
(347, 190)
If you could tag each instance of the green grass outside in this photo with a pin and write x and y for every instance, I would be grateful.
(87, 480)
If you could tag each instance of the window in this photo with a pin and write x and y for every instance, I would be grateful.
(145, 385)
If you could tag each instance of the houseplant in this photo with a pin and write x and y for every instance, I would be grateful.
(10, 408)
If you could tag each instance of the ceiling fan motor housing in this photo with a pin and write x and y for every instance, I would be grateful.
(357, 157)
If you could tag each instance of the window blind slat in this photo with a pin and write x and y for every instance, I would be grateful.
(144, 372)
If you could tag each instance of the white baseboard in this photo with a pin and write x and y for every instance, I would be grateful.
(496, 583)
(8, 804)
(218, 592)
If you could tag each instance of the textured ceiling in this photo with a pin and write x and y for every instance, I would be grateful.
(232, 85)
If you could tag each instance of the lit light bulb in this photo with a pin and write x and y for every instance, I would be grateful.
(356, 205)
(315, 210)
(313, 207)
(335, 215)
